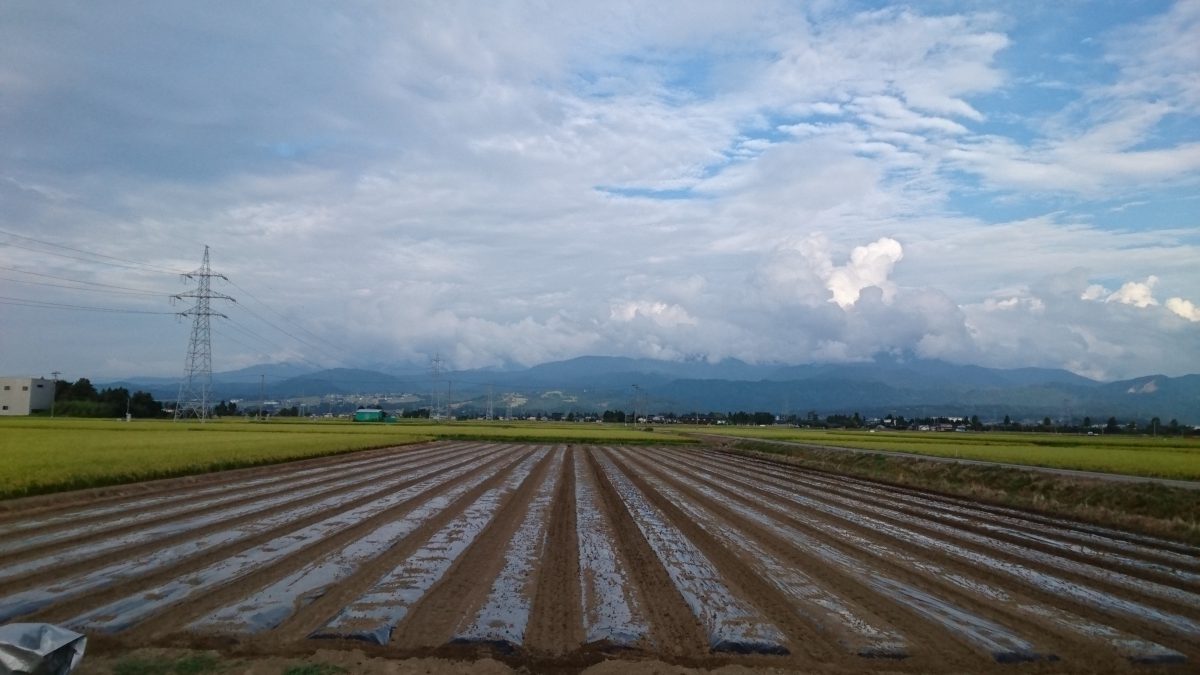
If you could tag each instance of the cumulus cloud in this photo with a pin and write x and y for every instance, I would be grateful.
(1184, 308)
(869, 265)
(658, 312)
(513, 185)
(1136, 293)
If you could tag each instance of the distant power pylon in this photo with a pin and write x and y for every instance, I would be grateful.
(435, 370)
(196, 386)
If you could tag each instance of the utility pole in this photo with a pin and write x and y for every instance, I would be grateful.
(489, 408)
(636, 391)
(262, 395)
(435, 368)
(196, 386)
(55, 396)
(449, 401)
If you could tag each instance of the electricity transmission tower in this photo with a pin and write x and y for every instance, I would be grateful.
(435, 370)
(196, 386)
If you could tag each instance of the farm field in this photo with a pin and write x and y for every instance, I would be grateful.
(557, 556)
(1132, 455)
(48, 455)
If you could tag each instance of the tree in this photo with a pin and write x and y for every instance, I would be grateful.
(142, 404)
(617, 416)
(1087, 422)
(1111, 427)
(976, 425)
(82, 390)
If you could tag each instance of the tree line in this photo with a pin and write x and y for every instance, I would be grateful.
(81, 399)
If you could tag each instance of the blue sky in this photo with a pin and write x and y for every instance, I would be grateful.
(1008, 184)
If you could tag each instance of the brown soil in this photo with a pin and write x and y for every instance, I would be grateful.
(1022, 577)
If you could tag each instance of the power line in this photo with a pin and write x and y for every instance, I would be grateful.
(21, 302)
(82, 288)
(79, 281)
(291, 335)
(283, 316)
(91, 253)
(247, 331)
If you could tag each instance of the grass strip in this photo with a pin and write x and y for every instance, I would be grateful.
(1148, 508)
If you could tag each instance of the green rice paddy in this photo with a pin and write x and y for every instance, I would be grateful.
(40, 455)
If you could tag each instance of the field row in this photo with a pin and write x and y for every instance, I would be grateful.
(559, 553)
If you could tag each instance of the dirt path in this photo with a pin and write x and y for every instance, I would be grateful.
(566, 558)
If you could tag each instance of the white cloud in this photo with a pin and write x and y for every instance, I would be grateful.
(660, 313)
(1184, 308)
(1136, 293)
(488, 184)
(869, 265)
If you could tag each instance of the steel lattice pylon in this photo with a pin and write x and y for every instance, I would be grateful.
(196, 386)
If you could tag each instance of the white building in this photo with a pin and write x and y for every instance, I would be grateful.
(23, 395)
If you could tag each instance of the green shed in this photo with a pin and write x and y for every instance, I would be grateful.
(369, 415)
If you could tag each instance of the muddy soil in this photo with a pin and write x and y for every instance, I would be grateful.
(486, 557)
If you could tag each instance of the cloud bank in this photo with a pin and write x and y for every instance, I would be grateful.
(511, 183)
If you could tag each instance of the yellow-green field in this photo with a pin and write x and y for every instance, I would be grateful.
(39, 455)
(1133, 455)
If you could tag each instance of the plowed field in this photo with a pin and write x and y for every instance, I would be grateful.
(559, 556)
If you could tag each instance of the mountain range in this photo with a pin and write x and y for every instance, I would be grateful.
(909, 387)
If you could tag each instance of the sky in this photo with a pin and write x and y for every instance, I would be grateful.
(503, 184)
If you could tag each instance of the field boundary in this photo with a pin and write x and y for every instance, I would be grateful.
(1150, 506)
(1071, 473)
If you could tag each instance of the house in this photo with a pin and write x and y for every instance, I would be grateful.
(369, 415)
(24, 395)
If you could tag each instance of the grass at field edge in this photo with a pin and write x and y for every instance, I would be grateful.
(1147, 508)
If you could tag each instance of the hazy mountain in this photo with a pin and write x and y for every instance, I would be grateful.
(272, 371)
(887, 385)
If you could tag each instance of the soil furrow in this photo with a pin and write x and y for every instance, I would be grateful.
(813, 603)
(373, 616)
(270, 606)
(172, 559)
(160, 528)
(558, 559)
(673, 629)
(103, 527)
(1155, 546)
(611, 605)
(1019, 560)
(120, 614)
(464, 588)
(1081, 547)
(504, 617)
(66, 509)
(732, 624)
(1023, 611)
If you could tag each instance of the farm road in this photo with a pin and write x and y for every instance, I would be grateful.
(559, 556)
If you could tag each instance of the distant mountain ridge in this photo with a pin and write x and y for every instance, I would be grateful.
(594, 383)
